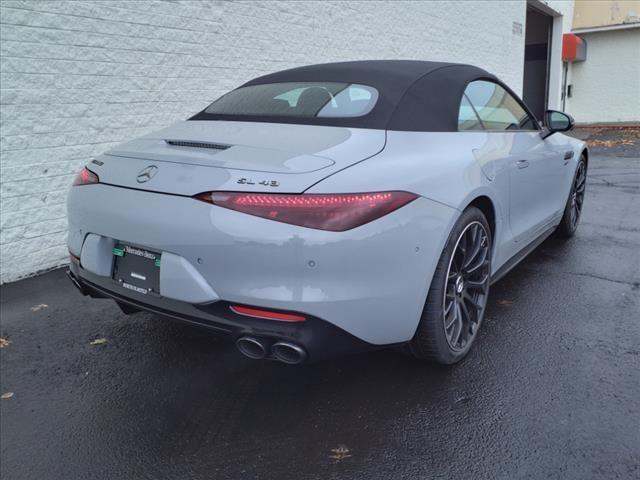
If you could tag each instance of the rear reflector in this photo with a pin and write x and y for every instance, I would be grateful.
(266, 314)
(335, 212)
(86, 177)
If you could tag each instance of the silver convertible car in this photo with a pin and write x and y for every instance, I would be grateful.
(330, 209)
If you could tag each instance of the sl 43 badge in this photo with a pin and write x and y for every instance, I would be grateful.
(266, 183)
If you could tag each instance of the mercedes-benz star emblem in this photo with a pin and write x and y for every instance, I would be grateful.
(147, 174)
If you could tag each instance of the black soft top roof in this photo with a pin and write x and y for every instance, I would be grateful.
(413, 95)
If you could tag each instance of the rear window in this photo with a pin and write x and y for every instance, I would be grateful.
(298, 99)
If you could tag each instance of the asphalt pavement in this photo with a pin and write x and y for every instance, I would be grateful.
(550, 390)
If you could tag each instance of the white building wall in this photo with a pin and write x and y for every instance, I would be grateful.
(80, 76)
(606, 86)
(561, 24)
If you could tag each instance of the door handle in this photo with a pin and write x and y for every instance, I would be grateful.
(522, 163)
(568, 155)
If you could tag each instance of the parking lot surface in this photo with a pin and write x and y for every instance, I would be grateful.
(550, 390)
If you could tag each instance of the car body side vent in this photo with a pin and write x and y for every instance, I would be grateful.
(185, 143)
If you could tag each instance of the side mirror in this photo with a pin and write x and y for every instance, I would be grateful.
(555, 121)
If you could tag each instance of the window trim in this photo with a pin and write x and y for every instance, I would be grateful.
(510, 92)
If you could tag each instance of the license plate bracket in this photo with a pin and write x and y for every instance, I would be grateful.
(137, 268)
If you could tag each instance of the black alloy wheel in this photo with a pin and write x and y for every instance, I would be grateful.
(458, 293)
(467, 286)
(577, 194)
(574, 206)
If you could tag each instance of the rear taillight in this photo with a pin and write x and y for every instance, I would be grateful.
(335, 212)
(86, 177)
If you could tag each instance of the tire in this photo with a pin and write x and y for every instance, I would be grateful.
(434, 340)
(573, 208)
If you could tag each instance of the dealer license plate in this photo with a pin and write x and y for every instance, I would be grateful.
(137, 269)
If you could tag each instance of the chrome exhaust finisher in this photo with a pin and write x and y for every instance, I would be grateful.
(251, 347)
(288, 353)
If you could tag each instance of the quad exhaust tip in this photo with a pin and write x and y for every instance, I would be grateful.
(283, 351)
(251, 347)
(288, 353)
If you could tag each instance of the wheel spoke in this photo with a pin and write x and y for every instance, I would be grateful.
(466, 314)
(459, 324)
(462, 247)
(451, 315)
(447, 310)
(476, 304)
(478, 284)
(481, 262)
(450, 289)
(456, 263)
(475, 249)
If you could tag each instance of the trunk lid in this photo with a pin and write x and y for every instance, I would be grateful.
(196, 156)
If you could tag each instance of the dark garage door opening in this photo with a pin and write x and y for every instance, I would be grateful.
(536, 61)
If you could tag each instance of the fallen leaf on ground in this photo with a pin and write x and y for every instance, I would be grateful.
(41, 306)
(98, 341)
(505, 303)
(4, 342)
(609, 143)
(340, 453)
(7, 395)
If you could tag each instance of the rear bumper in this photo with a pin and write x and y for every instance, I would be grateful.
(318, 338)
(370, 281)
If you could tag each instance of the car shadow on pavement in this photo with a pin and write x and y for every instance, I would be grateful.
(193, 384)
